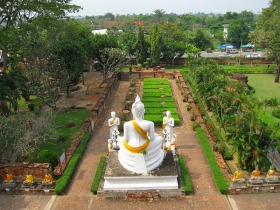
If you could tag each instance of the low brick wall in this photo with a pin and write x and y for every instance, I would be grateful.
(20, 170)
(127, 76)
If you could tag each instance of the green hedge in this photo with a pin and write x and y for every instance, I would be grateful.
(65, 179)
(160, 111)
(98, 175)
(218, 176)
(169, 104)
(227, 154)
(164, 81)
(157, 99)
(157, 119)
(187, 184)
(152, 98)
(157, 94)
(157, 86)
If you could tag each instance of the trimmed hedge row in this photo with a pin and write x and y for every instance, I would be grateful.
(64, 180)
(98, 175)
(157, 99)
(187, 184)
(227, 154)
(157, 86)
(157, 119)
(160, 105)
(160, 81)
(162, 95)
(152, 98)
(218, 176)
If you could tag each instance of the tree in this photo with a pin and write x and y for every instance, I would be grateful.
(238, 33)
(111, 60)
(13, 85)
(159, 14)
(201, 39)
(15, 13)
(140, 46)
(21, 134)
(267, 33)
(18, 19)
(126, 42)
(155, 46)
(173, 41)
(73, 50)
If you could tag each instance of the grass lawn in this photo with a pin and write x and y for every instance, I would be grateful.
(68, 124)
(256, 68)
(23, 105)
(264, 86)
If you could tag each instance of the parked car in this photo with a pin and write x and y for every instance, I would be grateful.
(253, 55)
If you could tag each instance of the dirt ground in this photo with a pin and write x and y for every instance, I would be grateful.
(84, 95)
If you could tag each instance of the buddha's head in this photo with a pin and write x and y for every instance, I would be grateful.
(138, 109)
(113, 114)
(168, 113)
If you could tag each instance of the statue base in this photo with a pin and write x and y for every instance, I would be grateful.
(118, 178)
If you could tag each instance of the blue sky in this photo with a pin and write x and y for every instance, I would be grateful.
(100, 7)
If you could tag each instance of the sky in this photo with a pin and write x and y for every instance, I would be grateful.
(124, 7)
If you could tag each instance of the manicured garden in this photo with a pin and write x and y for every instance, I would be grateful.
(67, 124)
(158, 98)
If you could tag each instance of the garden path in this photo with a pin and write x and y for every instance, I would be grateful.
(206, 196)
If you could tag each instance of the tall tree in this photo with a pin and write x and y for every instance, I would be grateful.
(267, 33)
(111, 60)
(201, 39)
(238, 33)
(141, 47)
(155, 45)
(173, 41)
(15, 13)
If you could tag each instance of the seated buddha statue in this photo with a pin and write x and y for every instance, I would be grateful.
(140, 147)
(48, 178)
(9, 177)
(256, 173)
(271, 172)
(29, 179)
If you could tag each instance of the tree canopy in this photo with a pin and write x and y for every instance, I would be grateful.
(267, 33)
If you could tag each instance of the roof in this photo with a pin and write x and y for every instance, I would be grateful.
(224, 46)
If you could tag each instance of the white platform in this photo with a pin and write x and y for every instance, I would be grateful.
(140, 183)
(117, 178)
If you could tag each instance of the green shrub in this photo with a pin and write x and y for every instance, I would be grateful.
(47, 156)
(219, 179)
(276, 113)
(31, 107)
(187, 184)
(278, 146)
(64, 180)
(195, 125)
(98, 175)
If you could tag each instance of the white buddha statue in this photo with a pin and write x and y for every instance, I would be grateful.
(113, 123)
(140, 148)
(168, 125)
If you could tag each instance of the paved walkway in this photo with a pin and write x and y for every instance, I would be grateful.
(206, 195)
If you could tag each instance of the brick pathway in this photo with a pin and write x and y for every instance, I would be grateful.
(79, 196)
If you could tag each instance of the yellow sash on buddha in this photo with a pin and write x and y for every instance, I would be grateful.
(112, 121)
(165, 122)
(143, 133)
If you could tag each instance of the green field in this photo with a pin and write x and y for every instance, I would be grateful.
(264, 86)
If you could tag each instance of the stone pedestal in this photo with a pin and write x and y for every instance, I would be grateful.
(117, 178)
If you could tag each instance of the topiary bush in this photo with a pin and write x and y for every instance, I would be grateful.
(31, 107)
(47, 156)
(187, 184)
(98, 175)
(218, 176)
